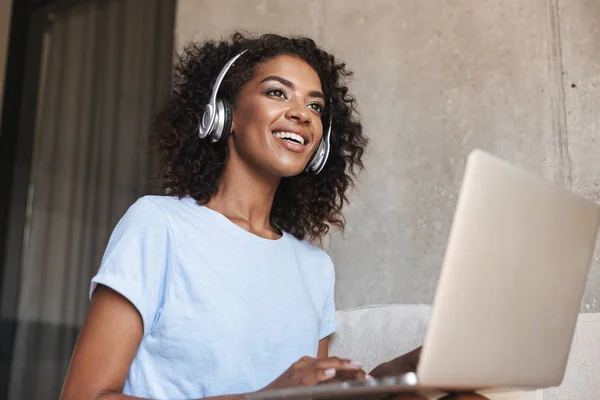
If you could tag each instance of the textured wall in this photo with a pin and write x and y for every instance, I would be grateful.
(435, 79)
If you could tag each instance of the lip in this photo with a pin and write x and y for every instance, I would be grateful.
(291, 129)
(292, 146)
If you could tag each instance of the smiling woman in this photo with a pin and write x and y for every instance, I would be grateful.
(279, 86)
(218, 288)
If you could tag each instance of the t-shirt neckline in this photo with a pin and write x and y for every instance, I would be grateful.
(234, 228)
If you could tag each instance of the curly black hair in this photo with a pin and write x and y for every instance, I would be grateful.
(305, 205)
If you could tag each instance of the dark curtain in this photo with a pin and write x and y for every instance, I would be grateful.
(106, 66)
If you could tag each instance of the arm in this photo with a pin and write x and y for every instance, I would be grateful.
(408, 363)
(400, 365)
(111, 335)
(323, 351)
(107, 344)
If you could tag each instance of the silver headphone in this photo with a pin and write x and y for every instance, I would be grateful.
(216, 123)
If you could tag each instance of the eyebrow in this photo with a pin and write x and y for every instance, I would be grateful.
(291, 85)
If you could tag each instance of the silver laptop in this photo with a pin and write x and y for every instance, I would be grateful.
(509, 292)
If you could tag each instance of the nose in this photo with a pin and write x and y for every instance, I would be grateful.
(298, 113)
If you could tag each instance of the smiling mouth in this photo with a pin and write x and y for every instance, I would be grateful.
(290, 137)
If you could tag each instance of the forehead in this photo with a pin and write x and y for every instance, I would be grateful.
(292, 68)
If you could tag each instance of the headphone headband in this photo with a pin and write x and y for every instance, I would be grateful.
(210, 112)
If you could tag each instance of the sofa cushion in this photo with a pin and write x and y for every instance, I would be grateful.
(582, 378)
(375, 334)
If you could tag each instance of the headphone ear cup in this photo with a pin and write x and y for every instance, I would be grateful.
(315, 159)
(319, 158)
(222, 129)
(227, 122)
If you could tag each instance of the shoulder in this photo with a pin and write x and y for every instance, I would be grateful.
(149, 214)
(313, 256)
(159, 208)
(144, 212)
(164, 204)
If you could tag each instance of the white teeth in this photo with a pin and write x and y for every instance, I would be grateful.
(290, 135)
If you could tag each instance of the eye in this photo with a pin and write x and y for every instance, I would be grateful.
(317, 107)
(276, 93)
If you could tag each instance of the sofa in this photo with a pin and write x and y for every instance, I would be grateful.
(375, 334)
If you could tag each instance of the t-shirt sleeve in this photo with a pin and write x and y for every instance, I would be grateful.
(136, 260)
(329, 321)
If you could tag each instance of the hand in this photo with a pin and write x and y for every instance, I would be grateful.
(310, 371)
(401, 365)
(408, 363)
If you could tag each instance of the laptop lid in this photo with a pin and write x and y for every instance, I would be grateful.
(512, 282)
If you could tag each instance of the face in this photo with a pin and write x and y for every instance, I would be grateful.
(277, 118)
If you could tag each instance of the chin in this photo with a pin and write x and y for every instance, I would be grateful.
(288, 173)
(287, 170)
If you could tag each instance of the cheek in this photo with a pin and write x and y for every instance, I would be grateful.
(253, 117)
(319, 129)
(250, 125)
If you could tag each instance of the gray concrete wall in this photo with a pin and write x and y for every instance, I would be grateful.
(435, 79)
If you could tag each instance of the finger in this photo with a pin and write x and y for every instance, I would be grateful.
(304, 361)
(338, 363)
(333, 374)
(344, 375)
(328, 369)
(324, 375)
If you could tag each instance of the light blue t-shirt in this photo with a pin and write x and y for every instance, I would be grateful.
(224, 311)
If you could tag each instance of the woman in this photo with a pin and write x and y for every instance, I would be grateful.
(218, 288)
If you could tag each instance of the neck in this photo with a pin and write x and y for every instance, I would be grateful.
(245, 196)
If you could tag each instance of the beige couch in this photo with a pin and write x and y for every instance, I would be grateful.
(379, 333)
